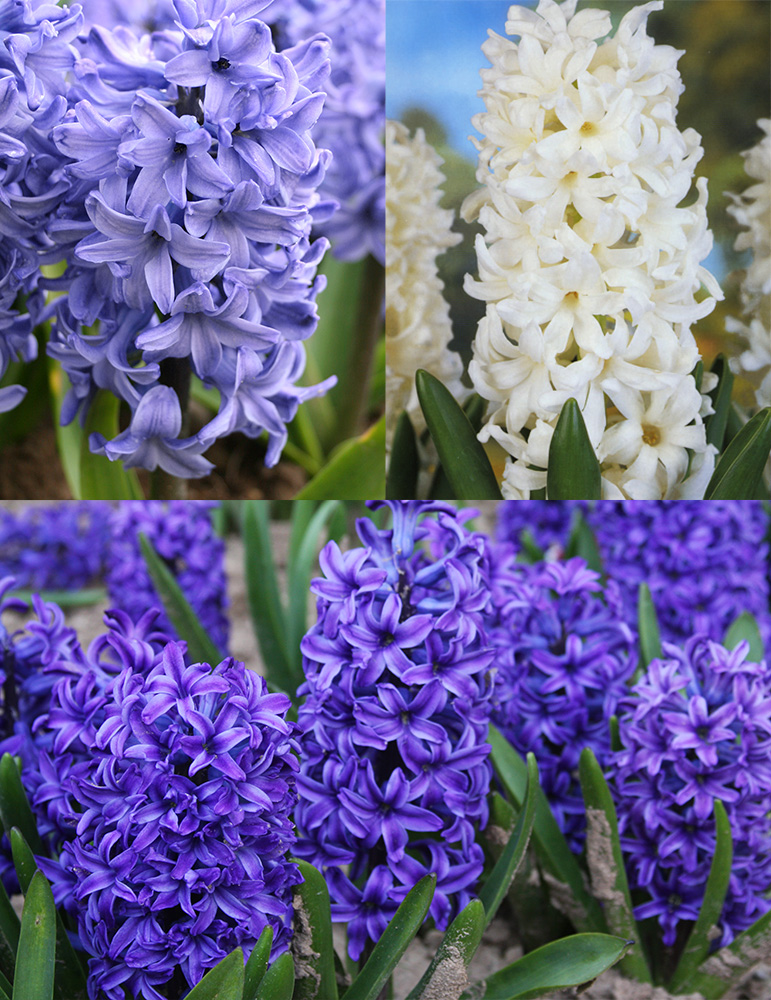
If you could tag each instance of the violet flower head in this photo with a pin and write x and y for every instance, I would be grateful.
(54, 547)
(183, 826)
(394, 755)
(705, 564)
(695, 729)
(547, 522)
(183, 535)
(564, 655)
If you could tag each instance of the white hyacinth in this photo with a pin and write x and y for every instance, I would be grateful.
(752, 209)
(591, 262)
(418, 326)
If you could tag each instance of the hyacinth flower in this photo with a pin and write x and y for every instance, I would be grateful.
(752, 210)
(394, 756)
(177, 799)
(694, 730)
(590, 264)
(564, 657)
(182, 533)
(418, 328)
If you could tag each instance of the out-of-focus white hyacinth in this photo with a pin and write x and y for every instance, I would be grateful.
(752, 209)
(591, 262)
(418, 326)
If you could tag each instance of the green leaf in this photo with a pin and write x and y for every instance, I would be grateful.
(66, 598)
(582, 542)
(224, 982)
(200, 647)
(282, 668)
(303, 553)
(355, 470)
(34, 975)
(572, 961)
(278, 981)
(312, 948)
(69, 976)
(648, 628)
(257, 965)
(740, 468)
(22, 420)
(9, 934)
(69, 436)
(699, 940)
(746, 627)
(394, 940)
(14, 807)
(447, 975)
(721, 972)
(573, 472)
(715, 423)
(101, 479)
(560, 866)
(404, 465)
(497, 884)
(462, 456)
(475, 408)
(606, 864)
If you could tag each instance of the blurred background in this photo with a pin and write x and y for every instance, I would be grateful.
(433, 62)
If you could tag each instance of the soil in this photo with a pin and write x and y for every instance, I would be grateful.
(499, 947)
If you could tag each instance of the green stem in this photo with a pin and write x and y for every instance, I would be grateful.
(359, 374)
(175, 372)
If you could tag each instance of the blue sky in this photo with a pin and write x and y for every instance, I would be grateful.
(434, 57)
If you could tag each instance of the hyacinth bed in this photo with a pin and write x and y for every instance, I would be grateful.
(554, 716)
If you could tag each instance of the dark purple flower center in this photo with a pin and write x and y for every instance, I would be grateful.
(221, 65)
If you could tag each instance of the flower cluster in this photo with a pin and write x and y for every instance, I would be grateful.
(564, 655)
(591, 262)
(418, 329)
(394, 771)
(695, 730)
(54, 547)
(183, 535)
(176, 176)
(548, 523)
(179, 816)
(351, 124)
(752, 210)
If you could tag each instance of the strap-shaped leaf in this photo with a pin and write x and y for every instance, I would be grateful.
(497, 884)
(606, 864)
(14, 807)
(278, 981)
(314, 953)
(572, 961)
(699, 940)
(66, 598)
(559, 864)
(740, 467)
(355, 470)
(34, 975)
(720, 973)
(462, 456)
(648, 629)
(447, 975)
(393, 943)
(583, 542)
(745, 627)
(69, 978)
(224, 982)
(404, 464)
(282, 668)
(715, 423)
(573, 472)
(257, 965)
(101, 479)
(9, 935)
(200, 646)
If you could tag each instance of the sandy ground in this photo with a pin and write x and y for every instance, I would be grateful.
(498, 948)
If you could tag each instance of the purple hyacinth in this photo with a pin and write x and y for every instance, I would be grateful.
(547, 521)
(564, 656)
(180, 813)
(183, 535)
(705, 564)
(695, 729)
(54, 547)
(394, 768)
